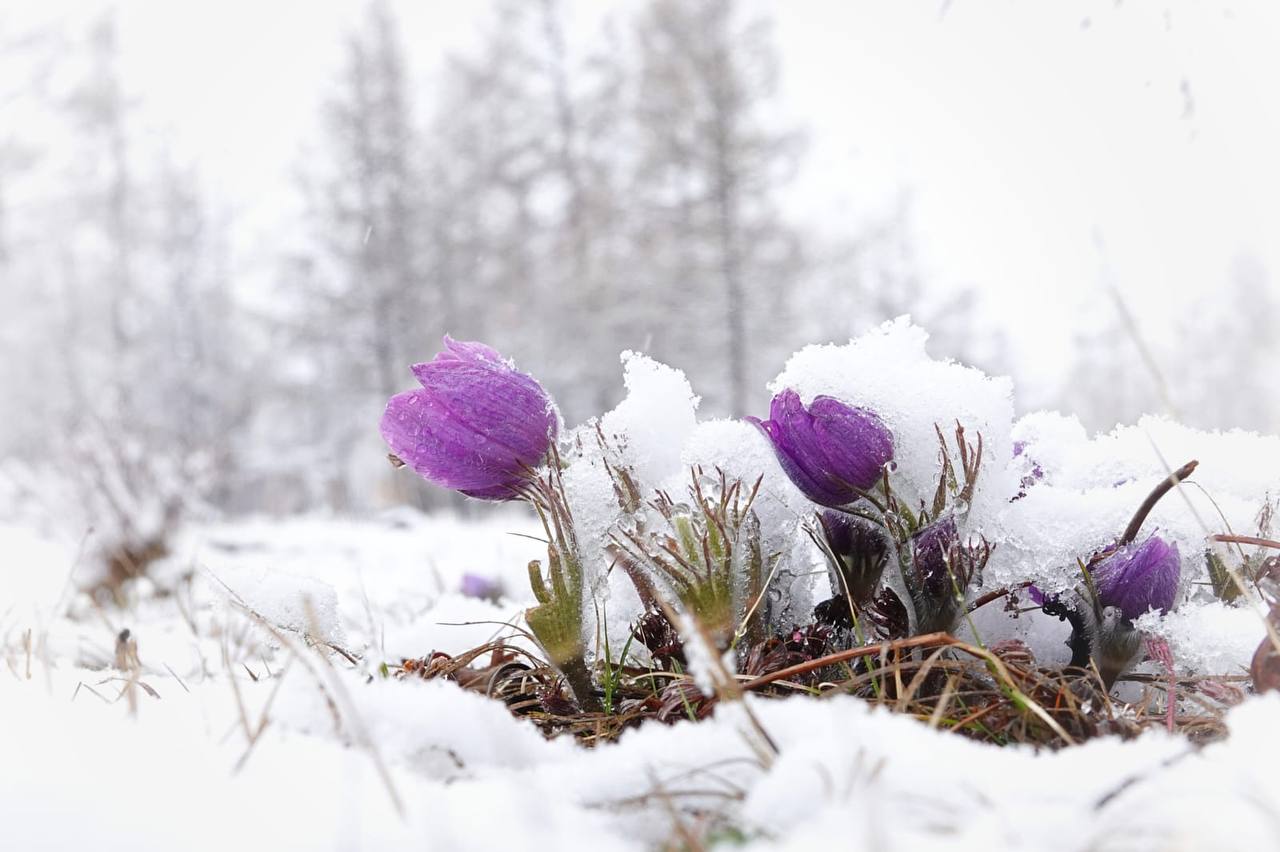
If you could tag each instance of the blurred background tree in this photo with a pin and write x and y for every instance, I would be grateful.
(562, 194)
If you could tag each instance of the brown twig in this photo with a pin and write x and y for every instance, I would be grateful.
(1248, 539)
(995, 595)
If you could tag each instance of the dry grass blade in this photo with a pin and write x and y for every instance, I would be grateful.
(335, 693)
(1248, 539)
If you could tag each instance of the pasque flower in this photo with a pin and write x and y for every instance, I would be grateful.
(479, 586)
(856, 550)
(1139, 577)
(1129, 581)
(830, 450)
(477, 425)
(938, 567)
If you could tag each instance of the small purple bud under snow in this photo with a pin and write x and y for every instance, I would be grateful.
(830, 450)
(860, 548)
(930, 549)
(477, 425)
(1036, 473)
(851, 536)
(479, 586)
(1139, 577)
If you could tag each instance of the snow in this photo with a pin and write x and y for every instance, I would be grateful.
(236, 735)
(469, 776)
(1077, 492)
(652, 423)
(644, 434)
(889, 371)
(1092, 486)
(1210, 639)
(34, 570)
(286, 600)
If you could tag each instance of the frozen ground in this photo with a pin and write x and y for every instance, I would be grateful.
(244, 739)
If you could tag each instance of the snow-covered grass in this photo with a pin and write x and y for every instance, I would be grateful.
(254, 740)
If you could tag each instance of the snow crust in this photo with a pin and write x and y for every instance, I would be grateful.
(181, 774)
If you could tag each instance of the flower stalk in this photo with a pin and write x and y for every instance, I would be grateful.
(557, 621)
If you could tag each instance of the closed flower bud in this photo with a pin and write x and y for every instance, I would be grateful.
(831, 451)
(1139, 577)
(859, 548)
(938, 568)
(477, 425)
(931, 550)
(1129, 581)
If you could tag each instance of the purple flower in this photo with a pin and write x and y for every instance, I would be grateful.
(830, 450)
(479, 586)
(1034, 474)
(1139, 577)
(477, 425)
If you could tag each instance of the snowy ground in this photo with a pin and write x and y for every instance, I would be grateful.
(245, 739)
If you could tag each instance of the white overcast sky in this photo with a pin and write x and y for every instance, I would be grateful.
(1028, 133)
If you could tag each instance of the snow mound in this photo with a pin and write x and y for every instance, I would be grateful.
(289, 601)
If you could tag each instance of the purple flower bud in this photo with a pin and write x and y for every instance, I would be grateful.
(938, 568)
(830, 450)
(930, 549)
(859, 547)
(1139, 577)
(477, 425)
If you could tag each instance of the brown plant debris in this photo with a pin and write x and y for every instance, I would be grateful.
(998, 695)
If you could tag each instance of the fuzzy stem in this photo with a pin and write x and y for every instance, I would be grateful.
(1131, 531)
(579, 680)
